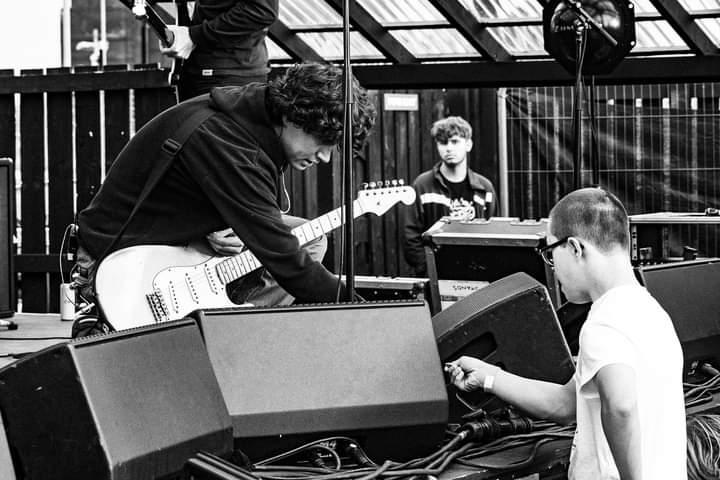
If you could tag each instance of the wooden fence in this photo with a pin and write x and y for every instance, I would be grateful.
(659, 150)
(64, 127)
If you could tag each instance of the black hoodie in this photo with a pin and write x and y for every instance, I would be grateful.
(226, 174)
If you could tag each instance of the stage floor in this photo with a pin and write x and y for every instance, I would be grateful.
(35, 331)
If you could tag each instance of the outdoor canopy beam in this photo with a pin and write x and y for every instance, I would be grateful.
(292, 43)
(375, 33)
(632, 70)
(685, 25)
(473, 31)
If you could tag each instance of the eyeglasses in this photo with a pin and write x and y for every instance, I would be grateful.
(546, 252)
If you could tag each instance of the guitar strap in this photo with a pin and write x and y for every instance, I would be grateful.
(168, 151)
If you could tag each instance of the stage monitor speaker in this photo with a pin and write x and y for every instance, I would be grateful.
(510, 323)
(132, 405)
(7, 229)
(688, 291)
(7, 471)
(289, 375)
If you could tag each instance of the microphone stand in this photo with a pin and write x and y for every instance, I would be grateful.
(583, 23)
(347, 157)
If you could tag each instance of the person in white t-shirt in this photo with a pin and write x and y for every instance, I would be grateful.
(626, 395)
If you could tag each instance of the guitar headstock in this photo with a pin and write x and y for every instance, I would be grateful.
(379, 197)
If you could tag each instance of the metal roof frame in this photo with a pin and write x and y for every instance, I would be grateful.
(491, 61)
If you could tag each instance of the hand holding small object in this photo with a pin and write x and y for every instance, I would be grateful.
(469, 374)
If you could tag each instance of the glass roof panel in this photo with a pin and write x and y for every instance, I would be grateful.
(711, 26)
(700, 5)
(275, 52)
(329, 45)
(402, 11)
(521, 40)
(495, 9)
(644, 6)
(433, 42)
(305, 13)
(657, 35)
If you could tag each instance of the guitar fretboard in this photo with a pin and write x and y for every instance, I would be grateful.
(232, 268)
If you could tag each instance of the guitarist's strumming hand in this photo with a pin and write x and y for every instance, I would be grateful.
(181, 45)
(225, 242)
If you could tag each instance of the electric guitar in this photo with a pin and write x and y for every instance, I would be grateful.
(146, 13)
(148, 284)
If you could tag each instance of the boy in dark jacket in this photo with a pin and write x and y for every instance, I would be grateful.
(450, 188)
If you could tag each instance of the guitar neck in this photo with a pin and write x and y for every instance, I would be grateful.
(157, 24)
(237, 266)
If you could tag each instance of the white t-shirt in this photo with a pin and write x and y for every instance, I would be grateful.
(626, 325)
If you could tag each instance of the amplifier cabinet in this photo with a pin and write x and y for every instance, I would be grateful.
(294, 374)
(688, 293)
(465, 255)
(382, 288)
(663, 236)
(131, 405)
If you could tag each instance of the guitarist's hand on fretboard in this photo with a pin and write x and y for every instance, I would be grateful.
(181, 45)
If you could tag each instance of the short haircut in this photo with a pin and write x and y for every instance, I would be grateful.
(703, 446)
(446, 128)
(593, 214)
(311, 96)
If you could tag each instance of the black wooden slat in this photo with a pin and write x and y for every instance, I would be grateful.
(32, 217)
(88, 146)
(378, 157)
(117, 123)
(151, 101)
(393, 170)
(310, 187)
(407, 171)
(40, 263)
(7, 119)
(328, 181)
(86, 81)
(60, 170)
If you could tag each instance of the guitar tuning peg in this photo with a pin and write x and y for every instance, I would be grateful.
(365, 185)
(387, 183)
(394, 183)
(372, 184)
(401, 182)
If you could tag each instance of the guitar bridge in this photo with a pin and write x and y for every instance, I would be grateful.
(157, 306)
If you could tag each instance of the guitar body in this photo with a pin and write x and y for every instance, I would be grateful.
(147, 284)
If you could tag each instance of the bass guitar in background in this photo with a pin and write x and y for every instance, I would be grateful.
(146, 13)
(148, 284)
